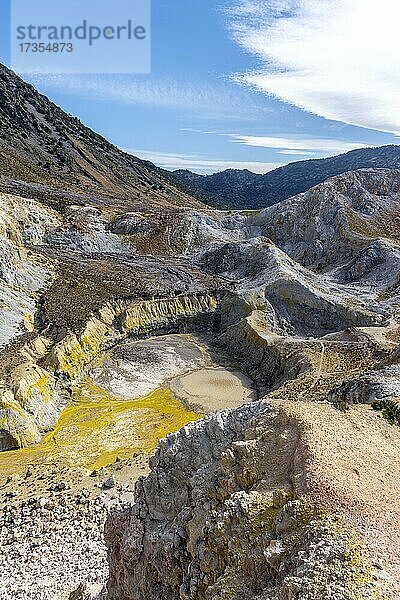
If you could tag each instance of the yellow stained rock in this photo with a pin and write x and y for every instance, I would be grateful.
(97, 427)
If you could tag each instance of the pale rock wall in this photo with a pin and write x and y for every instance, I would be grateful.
(331, 222)
(22, 274)
(17, 426)
(218, 519)
(379, 388)
(86, 229)
(269, 358)
(299, 301)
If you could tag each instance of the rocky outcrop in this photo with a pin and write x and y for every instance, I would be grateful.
(222, 516)
(179, 232)
(17, 426)
(296, 300)
(86, 229)
(254, 332)
(147, 316)
(331, 222)
(378, 388)
(269, 358)
(23, 275)
(120, 319)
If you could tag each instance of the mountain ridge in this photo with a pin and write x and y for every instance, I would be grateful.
(48, 154)
(237, 189)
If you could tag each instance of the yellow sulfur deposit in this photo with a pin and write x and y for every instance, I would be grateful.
(97, 427)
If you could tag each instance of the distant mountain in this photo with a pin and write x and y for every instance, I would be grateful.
(48, 154)
(236, 189)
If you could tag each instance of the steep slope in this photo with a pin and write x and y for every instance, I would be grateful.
(332, 221)
(47, 154)
(289, 497)
(286, 497)
(236, 189)
(264, 503)
(303, 297)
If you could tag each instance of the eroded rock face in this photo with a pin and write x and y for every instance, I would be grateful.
(217, 519)
(180, 232)
(86, 229)
(378, 388)
(303, 303)
(335, 219)
(23, 275)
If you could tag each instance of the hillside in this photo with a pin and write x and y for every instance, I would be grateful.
(194, 404)
(120, 327)
(48, 154)
(237, 189)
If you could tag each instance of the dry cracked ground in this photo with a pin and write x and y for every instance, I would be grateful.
(196, 404)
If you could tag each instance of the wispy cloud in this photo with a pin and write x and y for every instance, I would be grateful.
(200, 164)
(338, 59)
(298, 153)
(207, 99)
(298, 145)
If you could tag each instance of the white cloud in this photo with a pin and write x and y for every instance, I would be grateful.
(297, 152)
(336, 58)
(297, 145)
(198, 164)
(207, 99)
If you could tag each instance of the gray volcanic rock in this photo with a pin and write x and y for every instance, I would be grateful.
(88, 592)
(53, 541)
(22, 273)
(379, 388)
(217, 518)
(329, 223)
(87, 230)
(180, 232)
(304, 303)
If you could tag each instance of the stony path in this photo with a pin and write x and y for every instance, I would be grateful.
(49, 545)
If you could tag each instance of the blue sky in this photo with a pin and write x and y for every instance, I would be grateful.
(249, 84)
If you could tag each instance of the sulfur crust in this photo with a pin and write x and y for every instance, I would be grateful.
(87, 431)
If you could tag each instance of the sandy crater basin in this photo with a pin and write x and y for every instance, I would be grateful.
(213, 389)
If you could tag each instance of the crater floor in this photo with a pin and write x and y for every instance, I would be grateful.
(56, 494)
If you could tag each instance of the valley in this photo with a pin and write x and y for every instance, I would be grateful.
(195, 404)
(175, 379)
